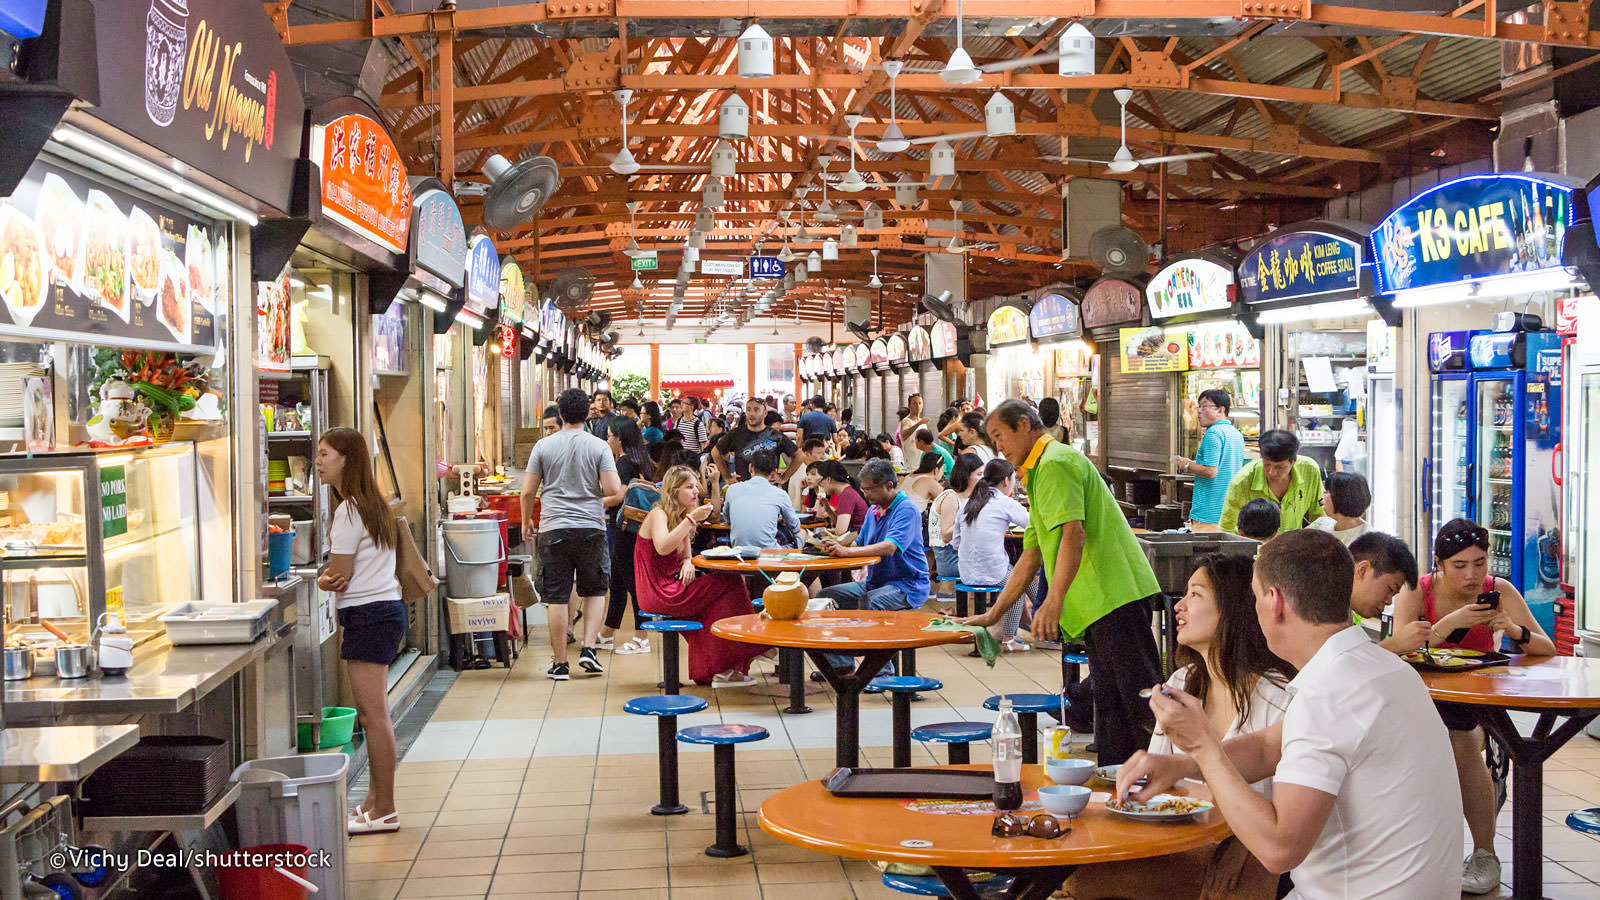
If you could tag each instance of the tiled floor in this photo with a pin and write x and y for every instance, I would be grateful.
(521, 788)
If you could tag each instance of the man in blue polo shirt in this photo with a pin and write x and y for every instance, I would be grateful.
(1220, 457)
(893, 533)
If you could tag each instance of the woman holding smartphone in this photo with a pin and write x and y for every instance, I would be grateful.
(1468, 607)
(372, 617)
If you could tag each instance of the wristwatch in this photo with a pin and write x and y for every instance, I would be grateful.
(1527, 635)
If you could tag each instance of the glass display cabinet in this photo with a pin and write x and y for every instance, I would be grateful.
(84, 531)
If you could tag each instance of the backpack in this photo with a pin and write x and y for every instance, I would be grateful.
(636, 504)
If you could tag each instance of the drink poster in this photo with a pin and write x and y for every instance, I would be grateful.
(1189, 286)
(1216, 345)
(83, 261)
(273, 323)
(364, 185)
(1152, 350)
(389, 340)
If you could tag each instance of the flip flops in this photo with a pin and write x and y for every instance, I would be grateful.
(732, 679)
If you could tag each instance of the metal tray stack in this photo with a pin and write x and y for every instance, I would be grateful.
(162, 775)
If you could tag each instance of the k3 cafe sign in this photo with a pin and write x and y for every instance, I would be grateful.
(206, 81)
(1476, 227)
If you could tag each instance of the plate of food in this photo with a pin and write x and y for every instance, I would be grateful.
(1453, 659)
(144, 255)
(22, 279)
(173, 307)
(1161, 808)
(105, 254)
(60, 219)
(201, 272)
(1106, 776)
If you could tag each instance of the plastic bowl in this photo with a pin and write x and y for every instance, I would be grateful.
(1064, 799)
(1069, 771)
(338, 725)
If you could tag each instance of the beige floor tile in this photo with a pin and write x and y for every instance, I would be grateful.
(556, 843)
(433, 849)
(823, 890)
(626, 894)
(444, 887)
(539, 863)
(374, 848)
(716, 892)
(727, 873)
(607, 841)
(377, 871)
(620, 879)
(533, 882)
(385, 889)
(485, 816)
(638, 860)
(446, 868)
(478, 832)
(799, 873)
(538, 828)
(476, 798)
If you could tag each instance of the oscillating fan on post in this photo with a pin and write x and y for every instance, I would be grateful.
(1118, 251)
(572, 289)
(517, 192)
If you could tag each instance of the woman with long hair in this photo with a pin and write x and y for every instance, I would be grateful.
(942, 515)
(1224, 662)
(980, 537)
(1055, 424)
(668, 582)
(362, 538)
(926, 482)
(650, 423)
(973, 437)
(1449, 597)
(633, 464)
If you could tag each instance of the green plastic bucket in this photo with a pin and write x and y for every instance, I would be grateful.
(338, 725)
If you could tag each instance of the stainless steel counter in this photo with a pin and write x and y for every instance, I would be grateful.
(60, 753)
(164, 679)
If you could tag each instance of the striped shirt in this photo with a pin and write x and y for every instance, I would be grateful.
(693, 429)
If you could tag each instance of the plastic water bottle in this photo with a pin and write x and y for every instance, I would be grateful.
(1007, 740)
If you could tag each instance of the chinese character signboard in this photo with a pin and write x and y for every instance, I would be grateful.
(364, 185)
(1111, 301)
(1053, 316)
(1471, 228)
(896, 347)
(1151, 350)
(483, 275)
(1299, 264)
(438, 239)
(1189, 286)
(1007, 324)
(944, 339)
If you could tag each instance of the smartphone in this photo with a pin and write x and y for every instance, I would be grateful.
(1490, 599)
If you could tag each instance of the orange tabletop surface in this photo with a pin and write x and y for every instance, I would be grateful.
(842, 630)
(877, 828)
(784, 561)
(1528, 682)
(723, 526)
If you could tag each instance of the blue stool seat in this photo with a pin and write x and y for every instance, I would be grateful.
(665, 705)
(931, 886)
(1027, 703)
(670, 625)
(722, 734)
(952, 732)
(980, 588)
(896, 684)
(1585, 820)
(1077, 659)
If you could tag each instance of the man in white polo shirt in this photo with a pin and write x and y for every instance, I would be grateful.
(1364, 796)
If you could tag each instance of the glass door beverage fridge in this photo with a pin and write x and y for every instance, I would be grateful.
(1581, 485)
(1445, 491)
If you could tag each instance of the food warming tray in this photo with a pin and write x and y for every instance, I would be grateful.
(218, 623)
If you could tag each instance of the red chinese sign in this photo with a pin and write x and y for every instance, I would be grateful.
(364, 184)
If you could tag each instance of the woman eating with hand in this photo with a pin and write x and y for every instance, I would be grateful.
(1453, 597)
(668, 583)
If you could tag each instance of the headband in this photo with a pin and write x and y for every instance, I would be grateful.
(1448, 545)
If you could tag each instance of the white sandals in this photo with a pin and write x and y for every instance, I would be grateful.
(360, 822)
(634, 646)
(732, 679)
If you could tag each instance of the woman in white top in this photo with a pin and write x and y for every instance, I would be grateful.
(921, 486)
(973, 438)
(1345, 499)
(1224, 661)
(361, 571)
(980, 538)
(942, 515)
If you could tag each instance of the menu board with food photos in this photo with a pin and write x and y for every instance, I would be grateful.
(1152, 350)
(273, 301)
(83, 261)
(919, 344)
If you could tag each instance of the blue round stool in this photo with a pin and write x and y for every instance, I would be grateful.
(1585, 820)
(977, 591)
(666, 708)
(669, 648)
(901, 688)
(722, 739)
(1028, 707)
(959, 735)
(931, 886)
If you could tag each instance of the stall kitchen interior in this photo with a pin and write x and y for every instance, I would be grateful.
(919, 414)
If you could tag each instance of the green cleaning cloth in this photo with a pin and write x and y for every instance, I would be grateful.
(988, 644)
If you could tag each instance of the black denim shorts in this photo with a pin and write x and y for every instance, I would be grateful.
(569, 556)
(373, 632)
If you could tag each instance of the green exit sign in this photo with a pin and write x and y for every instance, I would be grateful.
(644, 262)
(699, 340)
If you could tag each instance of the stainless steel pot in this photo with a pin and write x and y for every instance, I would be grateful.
(19, 663)
(74, 661)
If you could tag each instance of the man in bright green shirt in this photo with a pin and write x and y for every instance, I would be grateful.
(925, 442)
(1098, 575)
(1292, 481)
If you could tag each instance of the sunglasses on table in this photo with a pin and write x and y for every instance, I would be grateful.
(1042, 825)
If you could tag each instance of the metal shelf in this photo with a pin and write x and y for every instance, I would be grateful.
(42, 562)
(61, 753)
(287, 435)
(199, 821)
(290, 499)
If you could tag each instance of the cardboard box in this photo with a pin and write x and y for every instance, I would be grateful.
(480, 614)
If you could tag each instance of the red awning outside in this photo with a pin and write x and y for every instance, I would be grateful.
(697, 382)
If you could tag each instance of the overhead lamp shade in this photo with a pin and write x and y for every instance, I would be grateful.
(802, 236)
(697, 239)
(893, 139)
(724, 160)
(704, 220)
(847, 237)
(800, 273)
(1077, 51)
(1123, 161)
(755, 53)
(637, 284)
(830, 249)
(814, 261)
(999, 117)
(733, 119)
(624, 163)
(713, 192)
(691, 255)
(960, 70)
(873, 220)
(942, 161)
(852, 182)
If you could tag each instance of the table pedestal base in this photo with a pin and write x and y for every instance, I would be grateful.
(1527, 786)
(1027, 884)
(847, 700)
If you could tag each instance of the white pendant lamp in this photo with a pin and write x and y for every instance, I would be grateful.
(691, 256)
(624, 163)
(724, 160)
(942, 161)
(786, 254)
(873, 220)
(830, 249)
(847, 237)
(893, 139)
(637, 284)
(713, 192)
(999, 118)
(959, 70)
(814, 261)
(802, 237)
(632, 249)
(905, 194)
(875, 282)
(755, 53)
(733, 119)
(697, 239)
(1077, 51)
(704, 220)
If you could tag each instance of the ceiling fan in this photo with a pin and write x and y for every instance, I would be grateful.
(959, 69)
(623, 163)
(955, 244)
(1124, 161)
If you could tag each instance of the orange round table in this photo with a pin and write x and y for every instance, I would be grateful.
(1554, 688)
(954, 838)
(874, 635)
(723, 527)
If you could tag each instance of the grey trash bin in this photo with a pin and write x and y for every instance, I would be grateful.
(298, 800)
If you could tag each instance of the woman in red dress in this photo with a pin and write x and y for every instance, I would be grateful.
(668, 582)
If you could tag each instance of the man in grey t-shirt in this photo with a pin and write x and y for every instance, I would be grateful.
(576, 471)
